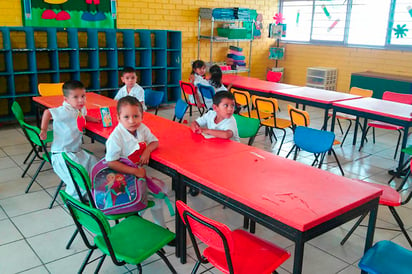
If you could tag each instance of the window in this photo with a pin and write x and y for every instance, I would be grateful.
(369, 22)
(383, 23)
(401, 33)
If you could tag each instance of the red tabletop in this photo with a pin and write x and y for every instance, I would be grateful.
(93, 100)
(379, 107)
(295, 194)
(250, 83)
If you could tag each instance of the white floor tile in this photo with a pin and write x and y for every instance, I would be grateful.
(17, 256)
(9, 232)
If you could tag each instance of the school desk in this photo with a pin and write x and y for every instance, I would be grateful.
(377, 109)
(315, 97)
(93, 101)
(262, 186)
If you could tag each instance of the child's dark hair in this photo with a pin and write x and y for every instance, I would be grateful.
(70, 85)
(129, 100)
(197, 64)
(219, 96)
(215, 76)
(128, 70)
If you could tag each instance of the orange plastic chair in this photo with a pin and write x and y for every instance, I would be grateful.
(274, 76)
(229, 251)
(343, 116)
(189, 91)
(50, 89)
(269, 106)
(394, 97)
(243, 100)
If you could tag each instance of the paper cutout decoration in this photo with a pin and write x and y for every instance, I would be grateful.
(297, 17)
(278, 18)
(409, 8)
(400, 31)
(326, 12)
(106, 117)
(333, 24)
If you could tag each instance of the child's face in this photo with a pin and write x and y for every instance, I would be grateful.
(129, 79)
(130, 117)
(225, 108)
(200, 71)
(76, 98)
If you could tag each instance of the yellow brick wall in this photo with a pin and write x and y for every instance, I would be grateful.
(182, 15)
(346, 60)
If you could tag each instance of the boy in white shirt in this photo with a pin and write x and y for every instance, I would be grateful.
(69, 121)
(219, 122)
(130, 87)
(124, 141)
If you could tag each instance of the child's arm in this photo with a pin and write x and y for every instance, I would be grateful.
(93, 119)
(195, 127)
(122, 168)
(144, 158)
(45, 124)
(224, 134)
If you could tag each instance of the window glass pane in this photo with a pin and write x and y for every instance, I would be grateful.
(298, 19)
(402, 21)
(369, 22)
(329, 20)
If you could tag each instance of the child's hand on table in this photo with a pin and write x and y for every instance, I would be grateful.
(195, 127)
(144, 158)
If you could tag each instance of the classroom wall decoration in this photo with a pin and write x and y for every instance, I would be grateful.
(70, 13)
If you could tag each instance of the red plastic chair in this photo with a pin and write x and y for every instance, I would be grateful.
(235, 251)
(394, 97)
(189, 91)
(274, 76)
(390, 198)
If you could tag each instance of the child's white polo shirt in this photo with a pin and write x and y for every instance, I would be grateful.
(121, 143)
(208, 121)
(136, 91)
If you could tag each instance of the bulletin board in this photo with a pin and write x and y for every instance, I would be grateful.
(69, 13)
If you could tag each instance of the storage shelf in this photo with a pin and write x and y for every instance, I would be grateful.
(94, 56)
(207, 14)
(222, 39)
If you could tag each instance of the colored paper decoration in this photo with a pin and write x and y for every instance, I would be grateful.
(333, 24)
(278, 18)
(70, 13)
(326, 12)
(400, 31)
(276, 53)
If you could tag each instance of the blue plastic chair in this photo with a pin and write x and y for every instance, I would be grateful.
(318, 142)
(208, 92)
(387, 257)
(153, 98)
(180, 110)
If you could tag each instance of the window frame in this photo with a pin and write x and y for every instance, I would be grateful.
(345, 43)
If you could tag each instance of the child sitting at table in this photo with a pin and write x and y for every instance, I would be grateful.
(130, 88)
(219, 122)
(69, 121)
(124, 141)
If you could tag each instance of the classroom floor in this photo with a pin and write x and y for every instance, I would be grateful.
(33, 237)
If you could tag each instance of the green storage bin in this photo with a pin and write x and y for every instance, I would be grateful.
(238, 33)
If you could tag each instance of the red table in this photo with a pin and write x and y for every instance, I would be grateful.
(262, 186)
(300, 95)
(377, 109)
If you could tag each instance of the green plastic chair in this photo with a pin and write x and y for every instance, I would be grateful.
(18, 113)
(41, 152)
(247, 127)
(131, 241)
(82, 182)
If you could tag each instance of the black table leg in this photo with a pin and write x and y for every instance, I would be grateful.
(365, 124)
(298, 261)
(355, 132)
(371, 229)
